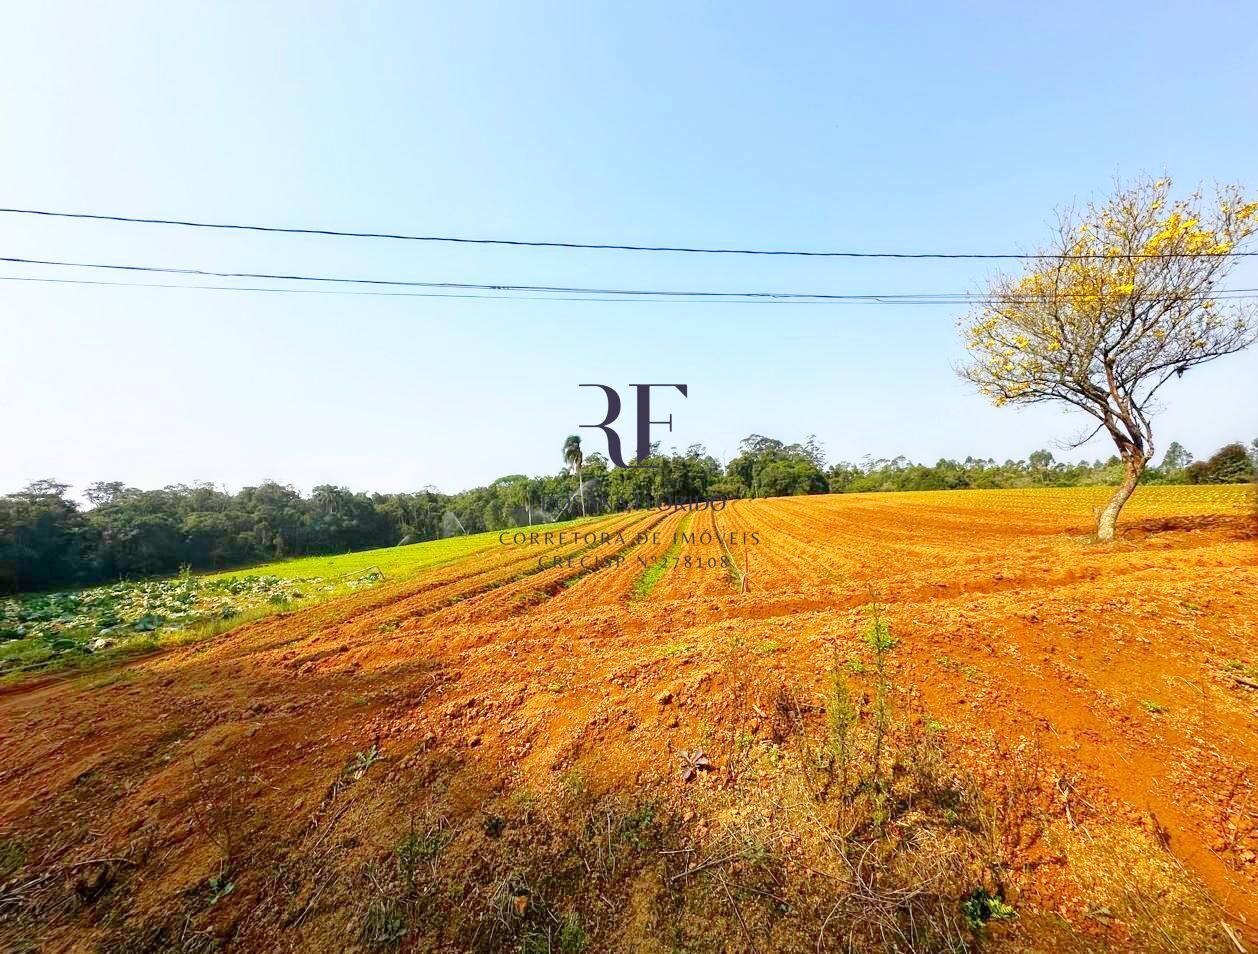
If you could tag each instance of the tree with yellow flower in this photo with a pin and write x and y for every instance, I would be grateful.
(1125, 298)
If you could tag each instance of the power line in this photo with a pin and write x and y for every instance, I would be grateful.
(458, 286)
(397, 236)
(854, 300)
(399, 294)
(561, 292)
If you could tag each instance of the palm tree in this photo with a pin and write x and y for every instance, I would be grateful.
(573, 457)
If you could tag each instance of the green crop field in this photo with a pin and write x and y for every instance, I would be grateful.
(390, 561)
(73, 628)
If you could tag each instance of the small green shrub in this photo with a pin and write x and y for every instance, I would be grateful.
(980, 907)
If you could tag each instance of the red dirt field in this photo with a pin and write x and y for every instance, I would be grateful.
(1094, 693)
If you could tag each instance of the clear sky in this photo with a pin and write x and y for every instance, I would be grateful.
(872, 126)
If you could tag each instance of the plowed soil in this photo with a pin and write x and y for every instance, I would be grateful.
(1131, 667)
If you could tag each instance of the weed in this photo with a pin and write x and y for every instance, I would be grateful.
(775, 754)
(511, 904)
(401, 886)
(357, 766)
(574, 784)
(692, 763)
(385, 923)
(218, 811)
(522, 799)
(735, 575)
(572, 936)
(1155, 708)
(878, 634)
(12, 857)
(981, 907)
(637, 823)
(841, 717)
(220, 885)
(970, 672)
(416, 849)
(612, 830)
(879, 639)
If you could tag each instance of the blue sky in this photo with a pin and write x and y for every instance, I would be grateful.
(826, 126)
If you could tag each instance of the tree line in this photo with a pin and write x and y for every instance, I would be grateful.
(47, 539)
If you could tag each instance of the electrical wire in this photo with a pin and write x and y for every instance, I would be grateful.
(400, 294)
(554, 292)
(698, 250)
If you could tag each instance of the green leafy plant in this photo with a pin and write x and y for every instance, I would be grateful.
(48, 628)
(220, 886)
(572, 936)
(979, 907)
(357, 766)
(878, 638)
(385, 923)
(841, 717)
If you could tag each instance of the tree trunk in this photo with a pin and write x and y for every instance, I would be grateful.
(1133, 467)
(581, 489)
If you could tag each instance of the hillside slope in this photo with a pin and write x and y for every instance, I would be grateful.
(487, 754)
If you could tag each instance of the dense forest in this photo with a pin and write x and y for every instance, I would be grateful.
(47, 539)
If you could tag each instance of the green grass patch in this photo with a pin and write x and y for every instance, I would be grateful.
(651, 577)
(391, 561)
(12, 857)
